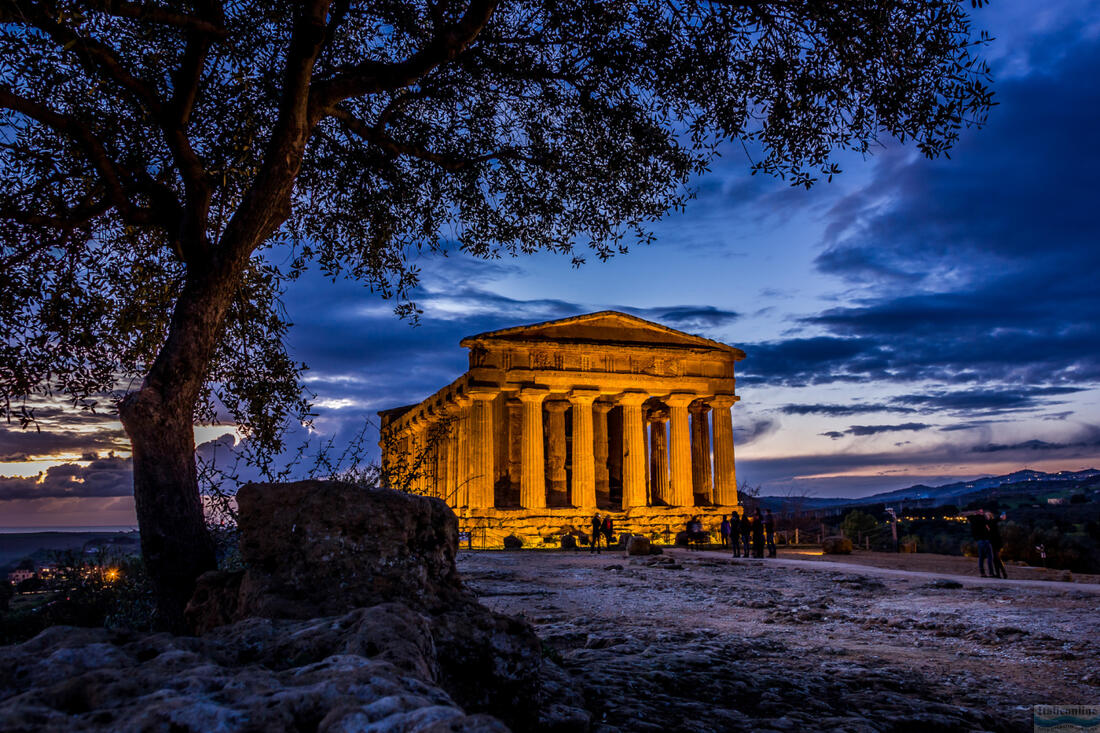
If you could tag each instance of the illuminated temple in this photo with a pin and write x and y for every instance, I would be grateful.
(554, 421)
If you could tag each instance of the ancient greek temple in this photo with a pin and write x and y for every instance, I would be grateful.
(555, 421)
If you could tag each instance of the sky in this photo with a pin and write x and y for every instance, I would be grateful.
(913, 321)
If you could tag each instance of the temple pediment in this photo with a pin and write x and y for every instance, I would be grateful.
(605, 327)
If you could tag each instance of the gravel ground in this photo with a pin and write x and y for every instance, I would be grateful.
(697, 641)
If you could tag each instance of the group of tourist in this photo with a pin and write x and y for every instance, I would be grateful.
(602, 528)
(749, 533)
(986, 530)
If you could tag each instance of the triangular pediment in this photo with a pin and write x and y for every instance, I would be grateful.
(605, 327)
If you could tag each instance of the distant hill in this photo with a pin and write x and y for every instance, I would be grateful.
(17, 545)
(959, 492)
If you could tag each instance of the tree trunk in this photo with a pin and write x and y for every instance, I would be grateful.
(174, 540)
(159, 418)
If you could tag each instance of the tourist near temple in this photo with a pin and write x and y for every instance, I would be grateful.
(555, 421)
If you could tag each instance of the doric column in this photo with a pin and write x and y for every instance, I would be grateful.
(583, 489)
(700, 451)
(532, 483)
(658, 457)
(725, 474)
(555, 444)
(515, 443)
(634, 459)
(462, 450)
(600, 449)
(679, 454)
(482, 439)
(418, 460)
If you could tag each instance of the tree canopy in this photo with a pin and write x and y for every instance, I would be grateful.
(166, 167)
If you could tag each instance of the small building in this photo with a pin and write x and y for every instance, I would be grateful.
(557, 420)
(16, 577)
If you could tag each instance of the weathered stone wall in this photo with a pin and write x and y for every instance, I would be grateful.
(544, 528)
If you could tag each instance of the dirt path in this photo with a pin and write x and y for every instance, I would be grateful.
(839, 563)
(696, 641)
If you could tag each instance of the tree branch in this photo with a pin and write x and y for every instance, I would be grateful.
(371, 77)
(97, 58)
(158, 15)
(110, 171)
(451, 163)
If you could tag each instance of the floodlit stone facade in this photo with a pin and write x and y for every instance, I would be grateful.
(555, 421)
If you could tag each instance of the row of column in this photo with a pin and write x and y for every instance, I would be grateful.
(463, 465)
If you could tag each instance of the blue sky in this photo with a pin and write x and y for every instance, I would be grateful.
(911, 322)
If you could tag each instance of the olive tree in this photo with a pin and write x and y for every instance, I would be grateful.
(167, 166)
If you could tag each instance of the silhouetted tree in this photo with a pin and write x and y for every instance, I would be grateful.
(167, 166)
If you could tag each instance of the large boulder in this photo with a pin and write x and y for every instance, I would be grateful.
(314, 548)
(321, 549)
(836, 546)
(637, 545)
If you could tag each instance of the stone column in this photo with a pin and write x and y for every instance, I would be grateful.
(555, 444)
(634, 459)
(700, 451)
(532, 485)
(515, 443)
(725, 474)
(482, 439)
(418, 461)
(462, 451)
(583, 489)
(600, 450)
(679, 457)
(658, 457)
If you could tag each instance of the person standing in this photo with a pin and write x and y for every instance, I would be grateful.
(735, 533)
(995, 543)
(608, 530)
(597, 528)
(769, 531)
(757, 534)
(725, 532)
(979, 530)
(746, 534)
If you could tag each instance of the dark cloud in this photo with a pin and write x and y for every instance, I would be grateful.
(104, 477)
(865, 430)
(756, 429)
(977, 270)
(986, 400)
(687, 317)
(842, 410)
(861, 430)
(1089, 439)
(19, 444)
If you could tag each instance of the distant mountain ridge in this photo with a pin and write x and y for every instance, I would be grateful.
(948, 492)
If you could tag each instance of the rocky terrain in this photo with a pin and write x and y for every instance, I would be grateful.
(696, 641)
(356, 612)
(350, 616)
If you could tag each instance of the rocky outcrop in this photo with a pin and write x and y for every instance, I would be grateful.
(315, 548)
(366, 670)
(350, 615)
(318, 548)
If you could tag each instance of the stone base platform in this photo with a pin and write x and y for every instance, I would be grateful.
(544, 528)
